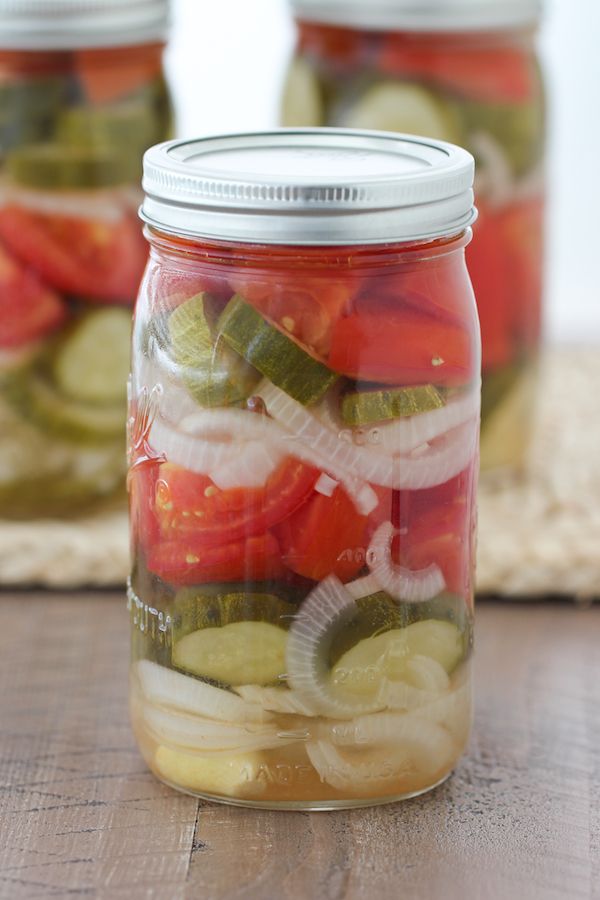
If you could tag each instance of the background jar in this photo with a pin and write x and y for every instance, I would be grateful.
(303, 446)
(467, 73)
(82, 95)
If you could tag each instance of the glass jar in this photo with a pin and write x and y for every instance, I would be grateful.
(467, 73)
(304, 453)
(82, 96)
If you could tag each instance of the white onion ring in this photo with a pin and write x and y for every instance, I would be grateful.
(402, 584)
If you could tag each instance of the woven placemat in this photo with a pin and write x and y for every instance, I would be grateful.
(538, 534)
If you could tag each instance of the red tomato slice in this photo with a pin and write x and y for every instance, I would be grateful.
(186, 562)
(401, 347)
(304, 307)
(501, 75)
(28, 309)
(104, 81)
(325, 536)
(522, 228)
(99, 261)
(440, 538)
(190, 506)
(141, 482)
(488, 265)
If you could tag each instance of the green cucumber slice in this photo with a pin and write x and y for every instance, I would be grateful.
(38, 401)
(276, 355)
(365, 407)
(302, 103)
(92, 363)
(59, 167)
(197, 608)
(407, 108)
(213, 374)
(239, 653)
(518, 128)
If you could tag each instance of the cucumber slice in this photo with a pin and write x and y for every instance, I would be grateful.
(92, 363)
(365, 407)
(128, 129)
(377, 614)
(519, 129)
(362, 670)
(302, 104)
(28, 110)
(197, 608)
(38, 401)
(227, 774)
(239, 653)
(213, 374)
(273, 353)
(58, 167)
(407, 108)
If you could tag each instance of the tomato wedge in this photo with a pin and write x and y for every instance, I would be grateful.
(439, 537)
(191, 506)
(323, 537)
(98, 261)
(502, 75)
(28, 308)
(490, 274)
(521, 226)
(304, 307)
(186, 562)
(402, 347)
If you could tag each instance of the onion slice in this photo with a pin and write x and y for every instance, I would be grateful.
(165, 687)
(404, 585)
(327, 609)
(275, 699)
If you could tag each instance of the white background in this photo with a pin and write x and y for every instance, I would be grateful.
(227, 60)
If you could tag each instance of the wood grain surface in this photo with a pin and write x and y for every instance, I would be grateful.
(81, 817)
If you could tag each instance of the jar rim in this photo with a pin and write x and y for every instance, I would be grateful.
(81, 24)
(421, 15)
(307, 186)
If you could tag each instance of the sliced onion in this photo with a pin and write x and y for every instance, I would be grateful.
(193, 732)
(399, 695)
(452, 710)
(403, 436)
(363, 587)
(401, 583)
(434, 466)
(360, 774)
(249, 465)
(326, 485)
(187, 450)
(429, 746)
(439, 463)
(327, 609)
(427, 674)
(275, 700)
(164, 687)
(495, 178)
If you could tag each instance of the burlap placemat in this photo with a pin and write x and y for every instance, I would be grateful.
(539, 534)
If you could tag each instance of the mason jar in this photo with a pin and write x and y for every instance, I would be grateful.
(464, 71)
(303, 439)
(82, 96)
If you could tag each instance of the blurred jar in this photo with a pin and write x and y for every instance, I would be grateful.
(466, 72)
(82, 96)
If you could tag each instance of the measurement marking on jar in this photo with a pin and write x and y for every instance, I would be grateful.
(148, 619)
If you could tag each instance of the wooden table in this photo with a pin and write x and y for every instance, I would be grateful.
(81, 816)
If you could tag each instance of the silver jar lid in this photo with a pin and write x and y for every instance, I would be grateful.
(309, 186)
(79, 24)
(421, 15)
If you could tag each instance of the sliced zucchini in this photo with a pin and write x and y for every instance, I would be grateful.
(364, 407)
(302, 104)
(92, 363)
(60, 167)
(406, 108)
(197, 608)
(38, 401)
(276, 355)
(213, 374)
(28, 110)
(227, 775)
(518, 128)
(363, 669)
(239, 653)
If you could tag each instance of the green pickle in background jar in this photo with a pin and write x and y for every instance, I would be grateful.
(82, 96)
(466, 73)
